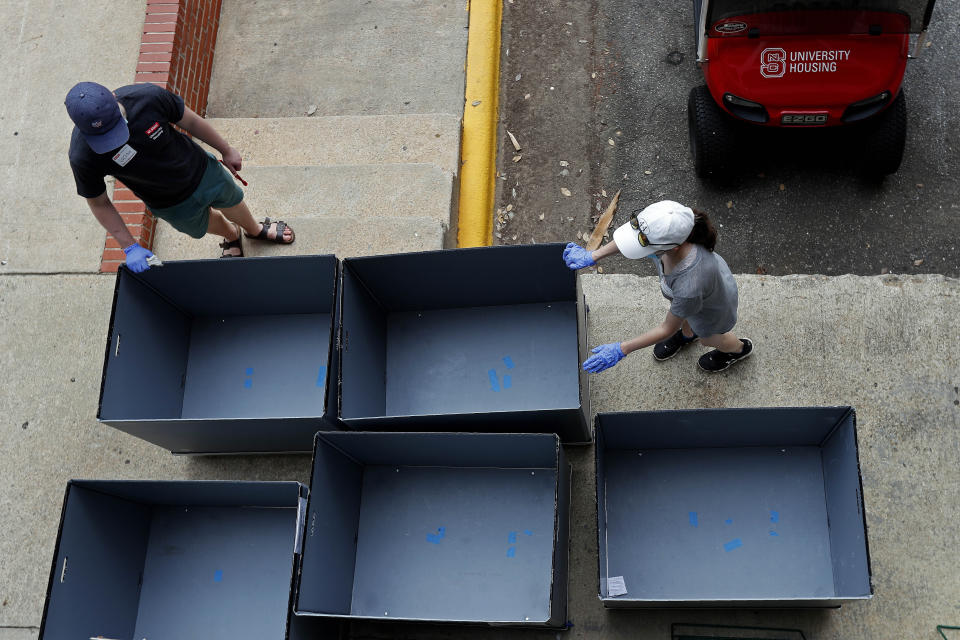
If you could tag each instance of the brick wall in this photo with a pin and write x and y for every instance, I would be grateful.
(176, 52)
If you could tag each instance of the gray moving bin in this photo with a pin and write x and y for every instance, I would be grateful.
(224, 356)
(731, 507)
(437, 527)
(211, 560)
(439, 341)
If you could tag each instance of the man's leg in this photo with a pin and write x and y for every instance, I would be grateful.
(219, 225)
(240, 214)
(687, 331)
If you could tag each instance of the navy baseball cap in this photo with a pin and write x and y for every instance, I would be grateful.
(94, 109)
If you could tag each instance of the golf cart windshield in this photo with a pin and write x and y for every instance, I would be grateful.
(819, 16)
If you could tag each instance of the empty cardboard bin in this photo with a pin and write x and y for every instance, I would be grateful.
(440, 340)
(224, 356)
(731, 507)
(178, 559)
(437, 527)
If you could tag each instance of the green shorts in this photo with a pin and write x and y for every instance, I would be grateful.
(217, 189)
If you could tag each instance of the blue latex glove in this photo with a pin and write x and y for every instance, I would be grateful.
(137, 258)
(605, 356)
(577, 257)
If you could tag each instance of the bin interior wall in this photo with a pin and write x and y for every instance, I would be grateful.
(845, 511)
(200, 493)
(480, 277)
(695, 428)
(458, 332)
(601, 480)
(330, 539)
(363, 366)
(202, 325)
(372, 533)
(482, 359)
(507, 451)
(221, 573)
(249, 287)
(103, 542)
(743, 465)
(583, 327)
(143, 560)
(561, 550)
(146, 357)
(455, 544)
(265, 366)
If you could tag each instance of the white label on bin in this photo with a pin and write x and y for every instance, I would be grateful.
(616, 586)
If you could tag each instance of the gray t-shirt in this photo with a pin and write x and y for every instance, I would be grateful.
(702, 291)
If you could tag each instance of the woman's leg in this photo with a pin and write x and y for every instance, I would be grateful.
(727, 342)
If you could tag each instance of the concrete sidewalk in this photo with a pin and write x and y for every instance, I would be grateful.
(45, 48)
(878, 343)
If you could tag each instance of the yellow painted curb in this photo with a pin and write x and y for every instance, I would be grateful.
(478, 146)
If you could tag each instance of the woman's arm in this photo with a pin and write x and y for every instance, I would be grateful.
(607, 355)
(606, 250)
(670, 325)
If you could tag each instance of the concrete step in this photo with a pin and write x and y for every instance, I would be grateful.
(345, 140)
(279, 57)
(345, 237)
(366, 192)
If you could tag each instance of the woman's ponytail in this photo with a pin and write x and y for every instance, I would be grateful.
(703, 232)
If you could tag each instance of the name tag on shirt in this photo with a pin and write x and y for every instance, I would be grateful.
(125, 155)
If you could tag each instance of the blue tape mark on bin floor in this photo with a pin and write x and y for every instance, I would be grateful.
(694, 519)
(495, 384)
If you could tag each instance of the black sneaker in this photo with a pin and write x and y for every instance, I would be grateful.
(672, 345)
(716, 360)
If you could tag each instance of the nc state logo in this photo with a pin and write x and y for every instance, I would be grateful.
(773, 63)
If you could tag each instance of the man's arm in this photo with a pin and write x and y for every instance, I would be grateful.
(670, 325)
(109, 218)
(200, 128)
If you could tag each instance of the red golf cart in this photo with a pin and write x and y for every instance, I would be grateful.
(803, 64)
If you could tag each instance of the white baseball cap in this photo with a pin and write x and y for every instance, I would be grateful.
(661, 226)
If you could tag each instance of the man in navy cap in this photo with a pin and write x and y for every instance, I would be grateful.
(128, 134)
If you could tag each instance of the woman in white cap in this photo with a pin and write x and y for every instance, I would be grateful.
(696, 281)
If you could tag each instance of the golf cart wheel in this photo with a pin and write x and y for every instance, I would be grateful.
(886, 136)
(711, 134)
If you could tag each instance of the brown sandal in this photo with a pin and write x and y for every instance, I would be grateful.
(281, 225)
(233, 244)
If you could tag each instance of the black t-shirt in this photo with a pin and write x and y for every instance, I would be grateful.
(158, 163)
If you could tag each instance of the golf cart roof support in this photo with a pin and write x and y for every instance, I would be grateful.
(702, 37)
(922, 37)
(916, 47)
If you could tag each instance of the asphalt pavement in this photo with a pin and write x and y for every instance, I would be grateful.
(799, 204)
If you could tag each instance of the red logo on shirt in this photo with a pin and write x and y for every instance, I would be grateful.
(155, 131)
